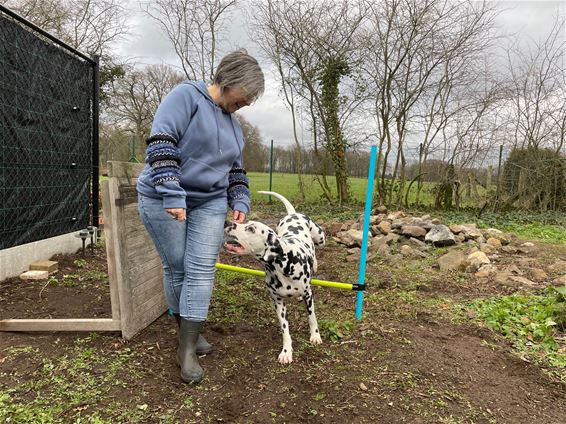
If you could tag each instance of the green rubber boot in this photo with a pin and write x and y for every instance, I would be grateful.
(191, 371)
(203, 347)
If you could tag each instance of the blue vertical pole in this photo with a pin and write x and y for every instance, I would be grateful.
(367, 213)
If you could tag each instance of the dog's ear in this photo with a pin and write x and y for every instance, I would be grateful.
(273, 249)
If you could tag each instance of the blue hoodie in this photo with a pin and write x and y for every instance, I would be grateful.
(197, 147)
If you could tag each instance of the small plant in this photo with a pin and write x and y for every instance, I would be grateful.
(319, 396)
(334, 330)
(79, 263)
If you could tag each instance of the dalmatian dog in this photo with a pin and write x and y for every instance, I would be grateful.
(288, 256)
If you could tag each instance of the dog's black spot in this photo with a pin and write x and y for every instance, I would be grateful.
(295, 229)
(288, 287)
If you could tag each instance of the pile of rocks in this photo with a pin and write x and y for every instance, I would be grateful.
(397, 236)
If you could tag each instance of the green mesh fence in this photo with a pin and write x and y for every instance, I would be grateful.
(46, 133)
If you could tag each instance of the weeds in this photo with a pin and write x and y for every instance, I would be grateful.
(534, 324)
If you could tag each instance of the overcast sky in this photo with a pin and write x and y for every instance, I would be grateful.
(529, 20)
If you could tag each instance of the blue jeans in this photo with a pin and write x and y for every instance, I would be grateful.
(188, 250)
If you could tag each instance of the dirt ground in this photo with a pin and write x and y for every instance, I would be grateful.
(409, 360)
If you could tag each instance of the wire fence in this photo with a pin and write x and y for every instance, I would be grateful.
(47, 100)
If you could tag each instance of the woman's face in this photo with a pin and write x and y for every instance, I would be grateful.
(234, 99)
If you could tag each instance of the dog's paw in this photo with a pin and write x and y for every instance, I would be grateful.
(315, 339)
(286, 356)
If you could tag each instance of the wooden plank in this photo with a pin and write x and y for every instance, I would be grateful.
(68, 324)
(150, 270)
(143, 292)
(137, 260)
(143, 316)
(153, 276)
(138, 241)
(111, 248)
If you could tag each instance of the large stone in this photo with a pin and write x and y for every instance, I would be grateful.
(350, 238)
(560, 281)
(456, 228)
(34, 275)
(476, 260)
(494, 242)
(407, 251)
(538, 274)
(497, 234)
(413, 231)
(454, 260)
(440, 235)
(486, 270)
(471, 231)
(558, 266)
(527, 249)
(384, 227)
(509, 249)
(487, 248)
(416, 243)
(521, 281)
(396, 215)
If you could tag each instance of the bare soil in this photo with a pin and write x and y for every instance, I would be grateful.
(407, 361)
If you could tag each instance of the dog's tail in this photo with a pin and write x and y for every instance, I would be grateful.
(288, 205)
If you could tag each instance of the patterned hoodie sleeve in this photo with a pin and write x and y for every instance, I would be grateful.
(163, 155)
(238, 189)
(164, 158)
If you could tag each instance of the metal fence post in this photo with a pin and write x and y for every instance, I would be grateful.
(95, 138)
(270, 168)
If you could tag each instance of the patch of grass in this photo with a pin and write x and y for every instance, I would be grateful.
(241, 297)
(535, 324)
(66, 388)
(21, 350)
(409, 303)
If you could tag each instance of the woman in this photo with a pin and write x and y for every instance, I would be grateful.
(193, 173)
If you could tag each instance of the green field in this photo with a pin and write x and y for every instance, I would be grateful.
(288, 186)
(548, 227)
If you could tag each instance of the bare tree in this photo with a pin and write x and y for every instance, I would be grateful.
(135, 98)
(90, 26)
(195, 29)
(415, 49)
(536, 89)
(256, 154)
(312, 44)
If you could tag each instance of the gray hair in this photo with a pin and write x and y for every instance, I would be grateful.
(240, 70)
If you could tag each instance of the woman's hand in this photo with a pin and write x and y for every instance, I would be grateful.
(177, 213)
(238, 217)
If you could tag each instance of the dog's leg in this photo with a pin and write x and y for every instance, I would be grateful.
(286, 355)
(308, 298)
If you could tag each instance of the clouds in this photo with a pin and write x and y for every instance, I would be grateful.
(525, 19)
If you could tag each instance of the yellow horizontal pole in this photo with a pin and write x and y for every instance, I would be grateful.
(257, 273)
